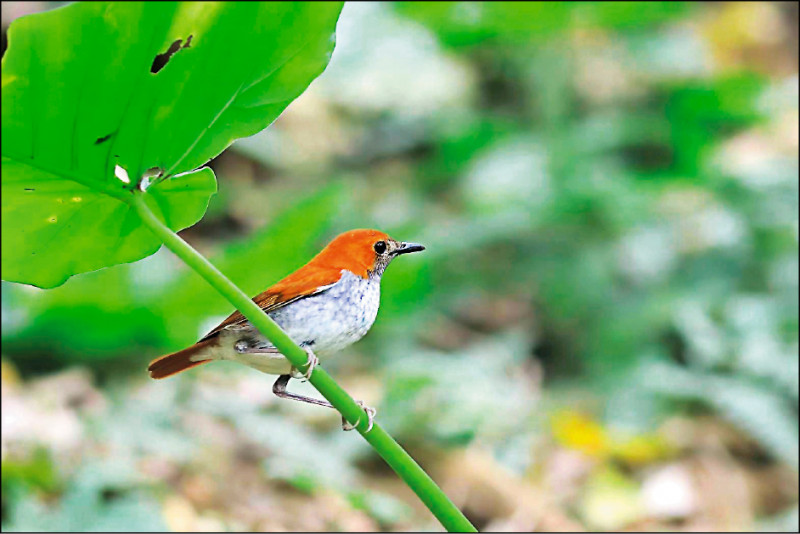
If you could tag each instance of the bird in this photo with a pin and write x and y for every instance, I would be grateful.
(324, 306)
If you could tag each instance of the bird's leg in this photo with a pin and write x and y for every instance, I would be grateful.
(370, 418)
(279, 389)
(311, 363)
(243, 347)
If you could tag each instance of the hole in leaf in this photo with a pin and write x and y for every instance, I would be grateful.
(160, 61)
(29, 189)
(152, 172)
(122, 174)
(104, 138)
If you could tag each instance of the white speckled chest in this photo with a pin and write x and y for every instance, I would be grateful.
(334, 319)
(326, 323)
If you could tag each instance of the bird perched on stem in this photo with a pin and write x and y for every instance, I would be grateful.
(324, 306)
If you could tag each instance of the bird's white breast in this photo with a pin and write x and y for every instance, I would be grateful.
(335, 318)
(326, 323)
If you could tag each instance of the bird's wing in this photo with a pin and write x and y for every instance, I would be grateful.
(294, 287)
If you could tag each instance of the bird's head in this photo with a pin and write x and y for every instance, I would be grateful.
(364, 252)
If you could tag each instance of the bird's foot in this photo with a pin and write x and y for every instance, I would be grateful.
(370, 418)
(311, 363)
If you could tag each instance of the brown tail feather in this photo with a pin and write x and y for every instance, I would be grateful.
(178, 361)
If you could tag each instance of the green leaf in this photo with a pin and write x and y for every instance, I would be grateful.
(54, 228)
(156, 88)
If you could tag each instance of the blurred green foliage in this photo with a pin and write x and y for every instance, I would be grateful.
(608, 195)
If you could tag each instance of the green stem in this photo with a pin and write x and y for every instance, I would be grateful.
(398, 459)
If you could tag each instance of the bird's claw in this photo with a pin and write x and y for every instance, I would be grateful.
(311, 363)
(370, 418)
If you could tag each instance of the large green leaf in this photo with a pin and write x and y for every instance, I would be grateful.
(54, 228)
(155, 89)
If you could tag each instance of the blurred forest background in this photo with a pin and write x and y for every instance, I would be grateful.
(602, 333)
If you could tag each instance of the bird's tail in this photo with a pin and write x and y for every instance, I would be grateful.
(180, 361)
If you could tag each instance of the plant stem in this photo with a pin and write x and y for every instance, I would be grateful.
(398, 459)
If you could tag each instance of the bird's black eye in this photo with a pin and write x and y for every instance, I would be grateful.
(380, 247)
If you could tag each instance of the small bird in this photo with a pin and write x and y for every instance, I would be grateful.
(324, 306)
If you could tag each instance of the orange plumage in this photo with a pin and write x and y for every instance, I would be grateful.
(364, 253)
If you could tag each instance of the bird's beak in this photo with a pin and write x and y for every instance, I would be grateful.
(405, 248)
